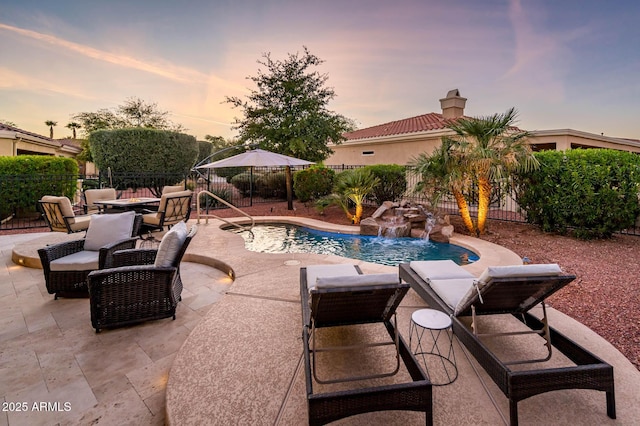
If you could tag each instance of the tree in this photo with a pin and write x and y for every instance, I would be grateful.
(482, 151)
(51, 124)
(73, 126)
(8, 123)
(135, 112)
(352, 186)
(443, 172)
(491, 148)
(288, 113)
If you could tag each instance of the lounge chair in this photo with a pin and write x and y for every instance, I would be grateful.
(141, 284)
(514, 290)
(338, 295)
(67, 265)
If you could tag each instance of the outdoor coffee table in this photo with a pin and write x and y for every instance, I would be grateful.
(129, 203)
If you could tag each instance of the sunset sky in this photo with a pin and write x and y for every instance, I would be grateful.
(562, 63)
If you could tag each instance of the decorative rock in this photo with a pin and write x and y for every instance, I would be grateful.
(369, 226)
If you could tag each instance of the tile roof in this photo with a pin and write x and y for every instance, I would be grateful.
(15, 129)
(420, 123)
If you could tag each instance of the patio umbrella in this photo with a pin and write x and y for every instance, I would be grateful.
(260, 158)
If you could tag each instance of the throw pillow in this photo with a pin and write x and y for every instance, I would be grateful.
(170, 245)
(108, 228)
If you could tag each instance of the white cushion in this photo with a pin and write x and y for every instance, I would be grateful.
(452, 291)
(356, 280)
(84, 260)
(170, 245)
(439, 270)
(538, 270)
(108, 228)
(315, 271)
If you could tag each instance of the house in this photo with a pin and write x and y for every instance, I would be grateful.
(397, 142)
(15, 141)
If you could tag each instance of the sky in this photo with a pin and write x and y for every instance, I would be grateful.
(563, 64)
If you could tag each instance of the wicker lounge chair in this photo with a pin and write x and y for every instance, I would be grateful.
(337, 295)
(67, 265)
(59, 216)
(514, 290)
(142, 285)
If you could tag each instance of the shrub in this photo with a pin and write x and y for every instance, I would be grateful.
(242, 182)
(313, 183)
(271, 184)
(208, 202)
(26, 178)
(229, 172)
(138, 150)
(393, 182)
(593, 192)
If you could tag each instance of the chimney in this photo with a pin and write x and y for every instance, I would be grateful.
(453, 105)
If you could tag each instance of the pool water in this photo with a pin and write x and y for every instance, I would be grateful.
(285, 238)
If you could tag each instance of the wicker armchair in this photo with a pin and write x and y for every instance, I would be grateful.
(64, 280)
(141, 285)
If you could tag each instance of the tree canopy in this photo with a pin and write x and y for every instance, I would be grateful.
(134, 112)
(288, 111)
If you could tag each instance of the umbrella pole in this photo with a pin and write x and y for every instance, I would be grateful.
(289, 177)
(251, 187)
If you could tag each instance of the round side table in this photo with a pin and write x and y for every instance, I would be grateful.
(435, 348)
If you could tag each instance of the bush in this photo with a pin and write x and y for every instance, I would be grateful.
(393, 182)
(272, 184)
(242, 182)
(229, 172)
(26, 178)
(313, 183)
(208, 202)
(138, 150)
(593, 192)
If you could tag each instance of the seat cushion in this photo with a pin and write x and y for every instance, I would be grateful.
(170, 245)
(356, 280)
(108, 228)
(439, 270)
(315, 271)
(452, 291)
(537, 270)
(84, 260)
(104, 194)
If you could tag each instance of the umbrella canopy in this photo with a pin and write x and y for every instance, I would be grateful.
(256, 158)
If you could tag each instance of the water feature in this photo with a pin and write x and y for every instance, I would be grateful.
(285, 238)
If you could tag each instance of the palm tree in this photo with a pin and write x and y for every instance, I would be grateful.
(354, 185)
(73, 126)
(490, 148)
(443, 172)
(51, 123)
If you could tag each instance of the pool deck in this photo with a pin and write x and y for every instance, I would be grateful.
(234, 353)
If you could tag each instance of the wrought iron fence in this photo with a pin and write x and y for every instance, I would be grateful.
(241, 187)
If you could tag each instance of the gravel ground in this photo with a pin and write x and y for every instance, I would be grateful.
(605, 296)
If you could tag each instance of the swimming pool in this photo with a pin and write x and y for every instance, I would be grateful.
(285, 238)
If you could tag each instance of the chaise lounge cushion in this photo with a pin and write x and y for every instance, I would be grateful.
(339, 270)
(439, 270)
(170, 245)
(452, 291)
(108, 228)
(514, 271)
(356, 280)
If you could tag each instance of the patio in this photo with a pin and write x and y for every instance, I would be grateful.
(241, 358)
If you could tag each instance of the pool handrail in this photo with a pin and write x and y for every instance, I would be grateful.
(207, 216)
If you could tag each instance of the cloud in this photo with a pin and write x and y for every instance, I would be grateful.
(165, 70)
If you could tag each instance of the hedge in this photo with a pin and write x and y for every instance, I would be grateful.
(26, 178)
(589, 192)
